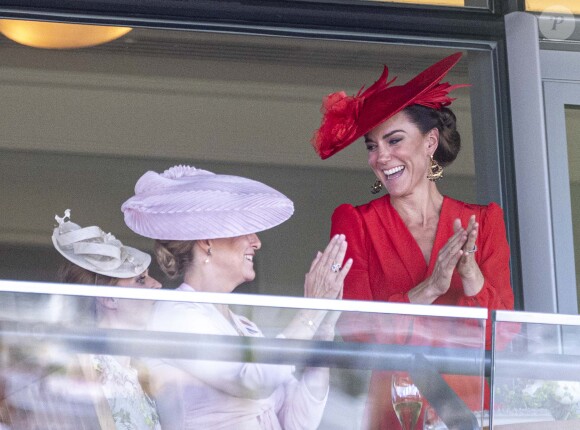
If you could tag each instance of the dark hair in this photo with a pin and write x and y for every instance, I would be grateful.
(443, 120)
(174, 256)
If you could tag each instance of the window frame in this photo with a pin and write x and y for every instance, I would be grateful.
(479, 30)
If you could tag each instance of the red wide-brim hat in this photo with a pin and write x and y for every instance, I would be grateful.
(347, 118)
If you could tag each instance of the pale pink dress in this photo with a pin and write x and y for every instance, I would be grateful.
(198, 394)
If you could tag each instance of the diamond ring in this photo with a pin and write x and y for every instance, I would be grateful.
(471, 251)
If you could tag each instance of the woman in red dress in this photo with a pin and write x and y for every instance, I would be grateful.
(413, 245)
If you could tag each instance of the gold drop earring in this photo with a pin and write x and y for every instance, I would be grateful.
(377, 187)
(435, 170)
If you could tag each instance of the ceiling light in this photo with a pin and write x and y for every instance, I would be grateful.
(55, 35)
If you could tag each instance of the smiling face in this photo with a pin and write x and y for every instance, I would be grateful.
(234, 258)
(399, 154)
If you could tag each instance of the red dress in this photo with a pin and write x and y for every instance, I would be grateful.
(388, 263)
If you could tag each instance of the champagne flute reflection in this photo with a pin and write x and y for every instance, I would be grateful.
(407, 401)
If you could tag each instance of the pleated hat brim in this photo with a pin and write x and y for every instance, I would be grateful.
(185, 203)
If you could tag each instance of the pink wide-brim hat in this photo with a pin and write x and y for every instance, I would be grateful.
(185, 203)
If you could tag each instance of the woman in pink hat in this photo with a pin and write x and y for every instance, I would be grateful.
(413, 245)
(205, 228)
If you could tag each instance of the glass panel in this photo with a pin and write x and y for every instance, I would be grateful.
(572, 116)
(536, 378)
(90, 122)
(63, 359)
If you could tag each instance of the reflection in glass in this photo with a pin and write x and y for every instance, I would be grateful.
(536, 379)
(407, 401)
(44, 338)
(432, 421)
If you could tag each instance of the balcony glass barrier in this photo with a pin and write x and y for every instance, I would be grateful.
(536, 378)
(84, 357)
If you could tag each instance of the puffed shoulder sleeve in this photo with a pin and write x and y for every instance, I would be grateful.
(347, 220)
(493, 256)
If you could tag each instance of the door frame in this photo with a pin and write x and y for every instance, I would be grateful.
(561, 87)
(540, 87)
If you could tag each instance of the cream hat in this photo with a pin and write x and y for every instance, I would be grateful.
(185, 203)
(99, 252)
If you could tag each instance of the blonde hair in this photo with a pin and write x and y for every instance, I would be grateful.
(174, 256)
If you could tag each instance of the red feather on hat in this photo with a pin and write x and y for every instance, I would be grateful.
(346, 118)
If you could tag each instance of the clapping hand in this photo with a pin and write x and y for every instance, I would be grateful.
(447, 260)
(325, 279)
(466, 263)
(467, 267)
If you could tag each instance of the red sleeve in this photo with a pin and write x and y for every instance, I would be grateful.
(347, 220)
(353, 326)
(493, 260)
(363, 327)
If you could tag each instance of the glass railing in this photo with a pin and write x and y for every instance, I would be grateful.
(536, 376)
(175, 346)
(67, 362)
